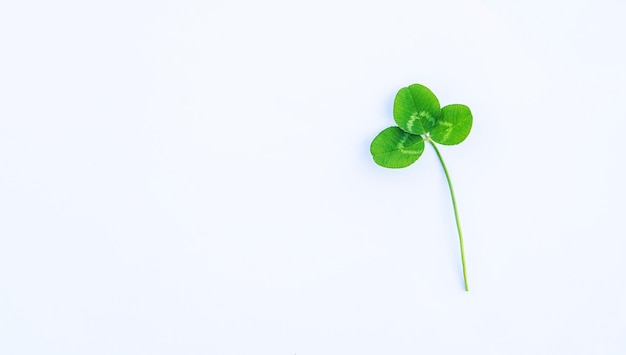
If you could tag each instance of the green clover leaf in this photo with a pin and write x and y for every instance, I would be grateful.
(394, 148)
(420, 119)
(453, 126)
(416, 109)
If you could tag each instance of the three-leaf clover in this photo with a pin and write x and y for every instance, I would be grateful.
(419, 119)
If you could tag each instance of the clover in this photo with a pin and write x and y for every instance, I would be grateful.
(420, 119)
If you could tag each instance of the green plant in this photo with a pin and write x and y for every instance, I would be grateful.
(420, 118)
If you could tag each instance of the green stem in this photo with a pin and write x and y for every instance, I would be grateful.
(456, 212)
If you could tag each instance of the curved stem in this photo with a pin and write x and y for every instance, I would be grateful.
(456, 212)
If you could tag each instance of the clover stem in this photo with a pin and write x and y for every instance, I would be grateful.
(456, 212)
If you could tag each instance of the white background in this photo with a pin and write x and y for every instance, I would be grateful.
(194, 177)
